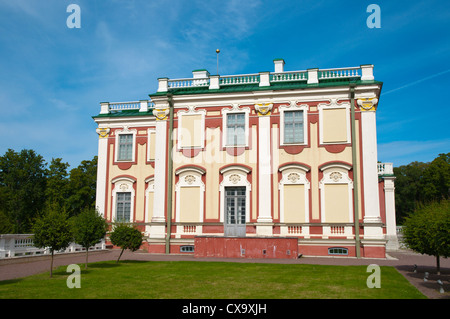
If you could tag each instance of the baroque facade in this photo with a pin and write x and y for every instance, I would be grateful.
(268, 155)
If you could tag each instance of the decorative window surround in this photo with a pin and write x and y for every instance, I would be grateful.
(235, 109)
(123, 184)
(235, 175)
(334, 105)
(125, 130)
(335, 174)
(189, 176)
(294, 174)
(149, 144)
(150, 189)
(190, 112)
(294, 107)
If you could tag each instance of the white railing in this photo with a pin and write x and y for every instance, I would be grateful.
(385, 168)
(119, 106)
(289, 76)
(142, 106)
(239, 79)
(184, 83)
(20, 245)
(310, 76)
(339, 73)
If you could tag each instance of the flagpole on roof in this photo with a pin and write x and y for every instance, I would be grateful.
(217, 51)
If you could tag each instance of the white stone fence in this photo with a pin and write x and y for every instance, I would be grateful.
(20, 245)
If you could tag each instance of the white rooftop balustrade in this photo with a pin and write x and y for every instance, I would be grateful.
(385, 169)
(202, 78)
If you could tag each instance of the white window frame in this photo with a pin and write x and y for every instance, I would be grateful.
(150, 189)
(288, 179)
(334, 105)
(190, 112)
(235, 176)
(189, 177)
(125, 131)
(235, 109)
(150, 131)
(123, 185)
(294, 107)
(329, 178)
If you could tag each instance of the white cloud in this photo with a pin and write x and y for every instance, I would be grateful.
(405, 152)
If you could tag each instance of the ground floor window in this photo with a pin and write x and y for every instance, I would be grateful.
(339, 251)
(123, 207)
(187, 249)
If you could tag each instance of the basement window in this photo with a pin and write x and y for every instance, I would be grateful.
(338, 251)
(187, 249)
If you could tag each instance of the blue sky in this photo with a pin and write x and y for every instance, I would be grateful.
(52, 78)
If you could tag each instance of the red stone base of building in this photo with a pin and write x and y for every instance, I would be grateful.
(263, 247)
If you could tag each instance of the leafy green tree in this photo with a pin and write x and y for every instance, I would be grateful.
(88, 229)
(52, 230)
(427, 230)
(5, 225)
(82, 185)
(57, 190)
(126, 237)
(436, 179)
(408, 188)
(22, 187)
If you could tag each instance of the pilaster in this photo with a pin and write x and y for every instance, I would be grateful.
(102, 164)
(264, 221)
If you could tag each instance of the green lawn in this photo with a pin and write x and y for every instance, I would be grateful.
(211, 280)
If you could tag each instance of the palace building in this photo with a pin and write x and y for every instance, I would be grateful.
(265, 165)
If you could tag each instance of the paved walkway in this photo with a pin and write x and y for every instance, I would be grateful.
(404, 261)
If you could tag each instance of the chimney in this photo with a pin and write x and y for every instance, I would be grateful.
(279, 65)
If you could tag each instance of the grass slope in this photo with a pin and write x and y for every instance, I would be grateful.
(211, 280)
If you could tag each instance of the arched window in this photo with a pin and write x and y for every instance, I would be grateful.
(235, 199)
(294, 199)
(123, 199)
(189, 199)
(336, 194)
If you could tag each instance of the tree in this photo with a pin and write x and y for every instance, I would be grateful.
(52, 230)
(57, 190)
(421, 183)
(82, 185)
(427, 230)
(22, 187)
(88, 229)
(126, 237)
(437, 179)
(408, 188)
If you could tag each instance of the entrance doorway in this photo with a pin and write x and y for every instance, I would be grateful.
(235, 211)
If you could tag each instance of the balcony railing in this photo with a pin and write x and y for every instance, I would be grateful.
(385, 169)
(310, 76)
(142, 106)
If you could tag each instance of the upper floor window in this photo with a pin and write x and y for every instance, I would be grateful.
(125, 147)
(236, 129)
(292, 124)
(293, 127)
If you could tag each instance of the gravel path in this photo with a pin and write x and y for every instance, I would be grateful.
(404, 261)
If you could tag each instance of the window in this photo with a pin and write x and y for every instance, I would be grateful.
(187, 249)
(338, 251)
(293, 127)
(123, 207)
(125, 147)
(236, 129)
